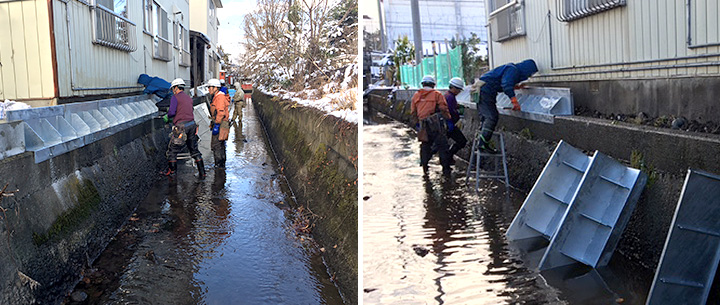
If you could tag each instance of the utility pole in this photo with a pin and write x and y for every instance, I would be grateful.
(383, 42)
(415, 10)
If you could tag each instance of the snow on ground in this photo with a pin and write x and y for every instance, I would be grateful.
(342, 104)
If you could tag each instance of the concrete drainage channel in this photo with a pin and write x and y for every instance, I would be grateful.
(663, 155)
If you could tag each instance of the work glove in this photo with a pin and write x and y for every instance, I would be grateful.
(520, 86)
(165, 118)
(516, 105)
(450, 125)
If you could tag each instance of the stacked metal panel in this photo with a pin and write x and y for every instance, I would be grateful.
(581, 204)
(597, 216)
(51, 131)
(692, 249)
(551, 195)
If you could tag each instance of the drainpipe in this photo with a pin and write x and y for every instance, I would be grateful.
(552, 57)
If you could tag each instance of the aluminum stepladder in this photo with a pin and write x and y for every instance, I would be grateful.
(476, 156)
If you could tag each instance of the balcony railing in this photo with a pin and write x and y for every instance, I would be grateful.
(113, 30)
(184, 58)
(162, 48)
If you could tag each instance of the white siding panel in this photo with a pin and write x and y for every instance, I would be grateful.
(19, 54)
(7, 70)
(45, 76)
(32, 48)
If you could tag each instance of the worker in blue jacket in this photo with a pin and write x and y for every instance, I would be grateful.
(501, 79)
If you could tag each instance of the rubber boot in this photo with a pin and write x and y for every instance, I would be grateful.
(201, 168)
(172, 168)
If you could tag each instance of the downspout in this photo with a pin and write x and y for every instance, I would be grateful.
(552, 56)
(53, 52)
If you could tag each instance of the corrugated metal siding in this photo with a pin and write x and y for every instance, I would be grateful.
(25, 56)
(646, 38)
(97, 66)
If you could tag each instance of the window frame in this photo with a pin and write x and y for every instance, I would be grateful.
(513, 14)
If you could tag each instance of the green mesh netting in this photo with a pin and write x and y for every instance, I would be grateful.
(442, 66)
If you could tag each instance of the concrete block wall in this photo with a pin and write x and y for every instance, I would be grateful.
(68, 208)
(318, 154)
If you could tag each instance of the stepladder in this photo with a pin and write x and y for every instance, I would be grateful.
(487, 165)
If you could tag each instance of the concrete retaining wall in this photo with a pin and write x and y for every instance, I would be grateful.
(694, 97)
(318, 154)
(664, 154)
(68, 208)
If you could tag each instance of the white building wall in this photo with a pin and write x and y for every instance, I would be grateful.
(644, 39)
(26, 72)
(85, 68)
(440, 20)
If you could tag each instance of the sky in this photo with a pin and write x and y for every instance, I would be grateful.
(230, 33)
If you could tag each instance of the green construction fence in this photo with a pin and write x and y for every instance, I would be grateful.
(442, 66)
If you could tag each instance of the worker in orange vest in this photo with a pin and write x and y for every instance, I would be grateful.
(430, 110)
(219, 111)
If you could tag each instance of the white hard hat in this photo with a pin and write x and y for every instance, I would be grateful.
(222, 81)
(428, 79)
(214, 82)
(177, 82)
(457, 83)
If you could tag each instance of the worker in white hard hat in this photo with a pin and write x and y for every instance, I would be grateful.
(239, 100)
(184, 128)
(220, 124)
(430, 110)
(223, 87)
(456, 86)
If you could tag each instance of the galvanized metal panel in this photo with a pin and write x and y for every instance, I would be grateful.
(596, 217)
(13, 139)
(553, 192)
(692, 248)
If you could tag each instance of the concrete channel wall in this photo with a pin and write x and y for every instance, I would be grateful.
(67, 209)
(318, 154)
(665, 155)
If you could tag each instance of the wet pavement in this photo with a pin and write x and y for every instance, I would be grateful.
(227, 239)
(435, 241)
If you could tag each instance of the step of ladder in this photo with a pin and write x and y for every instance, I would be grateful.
(476, 158)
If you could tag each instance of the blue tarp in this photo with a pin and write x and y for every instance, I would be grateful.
(155, 85)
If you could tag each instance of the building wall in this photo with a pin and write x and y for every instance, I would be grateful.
(440, 20)
(26, 70)
(199, 18)
(646, 39)
(629, 59)
(200, 21)
(85, 68)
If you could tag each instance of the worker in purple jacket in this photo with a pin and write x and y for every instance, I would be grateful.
(184, 132)
(456, 86)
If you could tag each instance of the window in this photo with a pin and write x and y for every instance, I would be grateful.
(119, 7)
(147, 16)
(111, 27)
(183, 43)
(161, 40)
(508, 20)
(568, 10)
(176, 35)
(211, 11)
